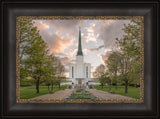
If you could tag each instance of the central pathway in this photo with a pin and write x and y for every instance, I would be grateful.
(102, 95)
(59, 95)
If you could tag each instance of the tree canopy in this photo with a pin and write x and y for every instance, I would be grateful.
(35, 60)
(123, 65)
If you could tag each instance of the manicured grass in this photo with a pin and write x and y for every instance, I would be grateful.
(132, 91)
(30, 91)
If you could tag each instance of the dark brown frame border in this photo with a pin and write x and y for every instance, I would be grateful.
(148, 10)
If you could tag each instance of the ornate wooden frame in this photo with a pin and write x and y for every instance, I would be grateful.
(80, 8)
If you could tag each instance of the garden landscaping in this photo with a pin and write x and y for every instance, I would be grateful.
(80, 94)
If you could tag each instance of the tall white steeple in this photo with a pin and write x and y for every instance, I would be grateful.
(80, 72)
(79, 58)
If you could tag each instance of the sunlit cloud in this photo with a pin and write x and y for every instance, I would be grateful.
(40, 25)
(89, 34)
(96, 49)
(71, 53)
(102, 57)
(98, 38)
(85, 51)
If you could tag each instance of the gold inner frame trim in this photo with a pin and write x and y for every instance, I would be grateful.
(18, 18)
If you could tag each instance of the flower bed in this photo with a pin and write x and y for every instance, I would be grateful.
(81, 94)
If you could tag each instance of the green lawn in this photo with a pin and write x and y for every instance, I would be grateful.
(30, 91)
(132, 91)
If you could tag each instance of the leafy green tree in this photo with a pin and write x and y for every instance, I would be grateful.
(100, 73)
(113, 63)
(26, 28)
(38, 58)
(32, 51)
(105, 78)
(130, 53)
(48, 83)
(60, 73)
(100, 70)
(109, 80)
(102, 80)
(52, 70)
(35, 61)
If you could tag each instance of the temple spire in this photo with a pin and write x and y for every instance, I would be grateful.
(79, 44)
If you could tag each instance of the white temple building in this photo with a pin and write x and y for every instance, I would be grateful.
(80, 72)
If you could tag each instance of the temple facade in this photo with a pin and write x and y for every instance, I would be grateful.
(80, 72)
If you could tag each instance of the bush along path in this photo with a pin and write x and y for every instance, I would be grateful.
(80, 94)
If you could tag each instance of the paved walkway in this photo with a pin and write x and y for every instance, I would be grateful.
(59, 95)
(102, 95)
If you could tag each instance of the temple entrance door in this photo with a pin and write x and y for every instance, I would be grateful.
(80, 81)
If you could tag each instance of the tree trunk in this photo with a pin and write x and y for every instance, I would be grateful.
(52, 87)
(37, 85)
(109, 87)
(102, 86)
(48, 87)
(59, 85)
(126, 86)
(116, 85)
(116, 80)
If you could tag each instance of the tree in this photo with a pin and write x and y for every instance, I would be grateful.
(102, 80)
(100, 73)
(50, 70)
(60, 73)
(26, 27)
(32, 51)
(130, 53)
(35, 60)
(100, 70)
(113, 63)
(105, 78)
(38, 59)
(108, 79)
(48, 83)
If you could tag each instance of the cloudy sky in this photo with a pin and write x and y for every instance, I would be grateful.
(98, 39)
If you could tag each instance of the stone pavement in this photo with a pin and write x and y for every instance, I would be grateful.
(56, 96)
(102, 95)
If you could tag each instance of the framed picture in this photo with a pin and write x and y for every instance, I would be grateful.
(80, 59)
(65, 63)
